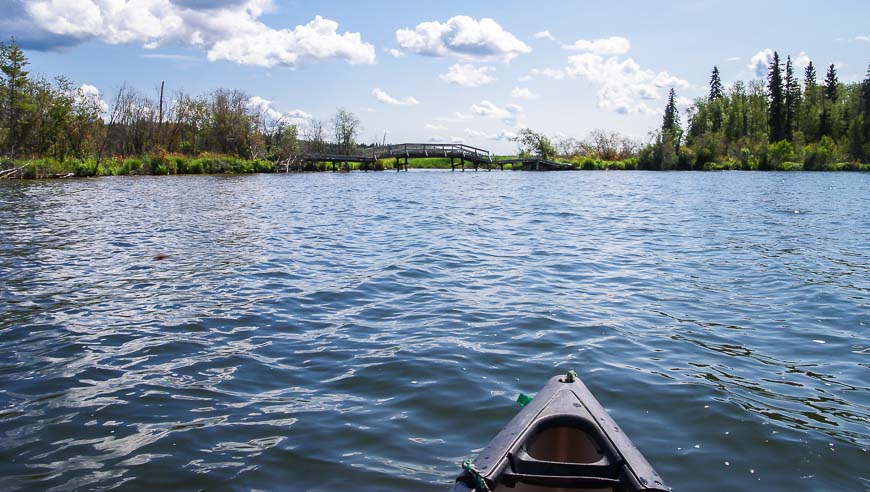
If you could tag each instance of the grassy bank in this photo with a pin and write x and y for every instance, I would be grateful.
(214, 164)
(147, 165)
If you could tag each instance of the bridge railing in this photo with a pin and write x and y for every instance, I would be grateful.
(428, 148)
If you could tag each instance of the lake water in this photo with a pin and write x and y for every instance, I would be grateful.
(369, 331)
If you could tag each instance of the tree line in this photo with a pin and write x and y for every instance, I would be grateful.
(53, 118)
(780, 122)
(786, 121)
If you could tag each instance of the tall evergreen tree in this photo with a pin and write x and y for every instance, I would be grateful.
(776, 109)
(831, 84)
(792, 99)
(12, 63)
(826, 122)
(810, 76)
(671, 120)
(716, 90)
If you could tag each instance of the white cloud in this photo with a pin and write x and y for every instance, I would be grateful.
(863, 38)
(314, 41)
(385, 98)
(468, 75)
(394, 52)
(550, 73)
(523, 93)
(734, 59)
(614, 45)
(487, 109)
(226, 31)
(435, 138)
(366, 109)
(89, 94)
(266, 108)
(457, 139)
(624, 85)
(502, 136)
(760, 62)
(435, 128)
(462, 37)
(544, 35)
(801, 60)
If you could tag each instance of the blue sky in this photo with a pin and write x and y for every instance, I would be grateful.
(449, 70)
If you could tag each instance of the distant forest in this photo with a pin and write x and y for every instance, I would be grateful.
(781, 123)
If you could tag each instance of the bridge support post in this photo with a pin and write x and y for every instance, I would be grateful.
(462, 163)
(452, 166)
(406, 163)
(397, 164)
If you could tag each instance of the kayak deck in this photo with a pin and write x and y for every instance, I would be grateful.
(562, 441)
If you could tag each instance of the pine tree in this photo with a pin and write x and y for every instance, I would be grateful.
(12, 63)
(776, 109)
(792, 100)
(826, 123)
(831, 84)
(716, 90)
(810, 76)
(671, 120)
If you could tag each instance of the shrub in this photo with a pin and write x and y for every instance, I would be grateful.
(779, 153)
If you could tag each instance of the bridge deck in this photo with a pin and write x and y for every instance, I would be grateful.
(417, 150)
(464, 153)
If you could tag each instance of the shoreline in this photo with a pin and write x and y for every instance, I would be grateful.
(243, 167)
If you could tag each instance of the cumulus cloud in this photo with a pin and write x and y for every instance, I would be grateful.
(89, 94)
(462, 37)
(266, 108)
(545, 35)
(523, 93)
(614, 45)
(760, 62)
(801, 60)
(394, 52)
(227, 30)
(624, 85)
(866, 39)
(468, 75)
(435, 128)
(385, 98)
(550, 73)
(487, 109)
(317, 40)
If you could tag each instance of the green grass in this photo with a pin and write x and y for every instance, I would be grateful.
(209, 164)
(146, 165)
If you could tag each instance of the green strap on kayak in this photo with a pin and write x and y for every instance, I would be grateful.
(524, 399)
(479, 483)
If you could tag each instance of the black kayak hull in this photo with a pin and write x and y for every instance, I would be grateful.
(562, 441)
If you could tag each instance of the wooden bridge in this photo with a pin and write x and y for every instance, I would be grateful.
(367, 157)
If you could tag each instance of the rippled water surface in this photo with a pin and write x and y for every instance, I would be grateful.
(369, 331)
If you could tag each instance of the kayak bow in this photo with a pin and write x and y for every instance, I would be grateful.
(561, 441)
